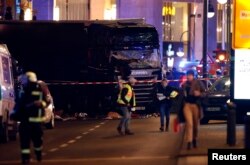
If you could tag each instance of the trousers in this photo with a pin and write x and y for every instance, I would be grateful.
(126, 117)
(30, 133)
(192, 118)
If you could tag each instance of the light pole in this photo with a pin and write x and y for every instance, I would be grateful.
(204, 50)
(208, 12)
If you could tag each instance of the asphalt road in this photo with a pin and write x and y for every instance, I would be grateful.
(96, 142)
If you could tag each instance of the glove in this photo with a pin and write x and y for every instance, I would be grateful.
(173, 94)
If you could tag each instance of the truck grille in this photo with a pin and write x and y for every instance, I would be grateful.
(144, 92)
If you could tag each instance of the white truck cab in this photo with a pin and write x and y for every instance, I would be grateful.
(8, 128)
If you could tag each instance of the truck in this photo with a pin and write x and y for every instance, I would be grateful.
(8, 128)
(66, 53)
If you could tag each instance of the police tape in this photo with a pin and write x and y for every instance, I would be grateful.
(98, 83)
(116, 82)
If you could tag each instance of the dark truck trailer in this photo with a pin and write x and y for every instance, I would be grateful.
(55, 51)
(87, 51)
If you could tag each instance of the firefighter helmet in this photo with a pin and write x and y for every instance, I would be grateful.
(31, 76)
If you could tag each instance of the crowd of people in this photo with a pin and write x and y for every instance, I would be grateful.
(189, 111)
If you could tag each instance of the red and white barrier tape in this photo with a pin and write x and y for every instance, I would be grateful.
(109, 82)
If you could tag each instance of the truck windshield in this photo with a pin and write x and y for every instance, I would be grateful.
(134, 36)
(147, 37)
(139, 58)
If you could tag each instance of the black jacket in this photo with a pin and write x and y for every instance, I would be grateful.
(166, 92)
(26, 103)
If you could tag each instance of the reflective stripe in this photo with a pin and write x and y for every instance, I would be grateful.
(39, 113)
(36, 93)
(25, 151)
(38, 148)
(36, 119)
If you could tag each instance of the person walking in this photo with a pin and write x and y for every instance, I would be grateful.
(165, 94)
(126, 103)
(29, 110)
(193, 90)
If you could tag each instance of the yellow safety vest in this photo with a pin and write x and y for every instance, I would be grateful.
(130, 94)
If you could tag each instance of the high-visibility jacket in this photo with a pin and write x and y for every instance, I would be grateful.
(130, 95)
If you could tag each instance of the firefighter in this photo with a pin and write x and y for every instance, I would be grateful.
(29, 110)
(126, 102)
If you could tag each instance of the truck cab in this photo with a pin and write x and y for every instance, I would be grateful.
(8, 128)
(124, 49)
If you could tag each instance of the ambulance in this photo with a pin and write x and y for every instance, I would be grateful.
(8, 128)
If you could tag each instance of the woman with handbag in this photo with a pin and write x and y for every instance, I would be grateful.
(193, 90)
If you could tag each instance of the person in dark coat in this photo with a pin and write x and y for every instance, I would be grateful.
(193, 91)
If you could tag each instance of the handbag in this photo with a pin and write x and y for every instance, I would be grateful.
(176, 125)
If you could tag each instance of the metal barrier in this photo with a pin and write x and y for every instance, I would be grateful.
(231, 124)
(247, 131)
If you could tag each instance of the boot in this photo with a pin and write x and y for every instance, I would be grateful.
(119, 129)
(128, 132)
(161, 129)
(189, 145)
(194, 143)
(25, 159)
(167, 125)
(38, 156)
(25, 162)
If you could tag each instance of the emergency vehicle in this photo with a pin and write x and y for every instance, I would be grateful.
(8, 128)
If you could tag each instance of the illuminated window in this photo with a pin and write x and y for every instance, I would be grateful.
(175, 20)
(72, 9)
(6, 70)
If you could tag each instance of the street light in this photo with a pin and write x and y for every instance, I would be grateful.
(211, 12)
(28, 14)
(56, 14)
(222, 1)
(180, 52)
